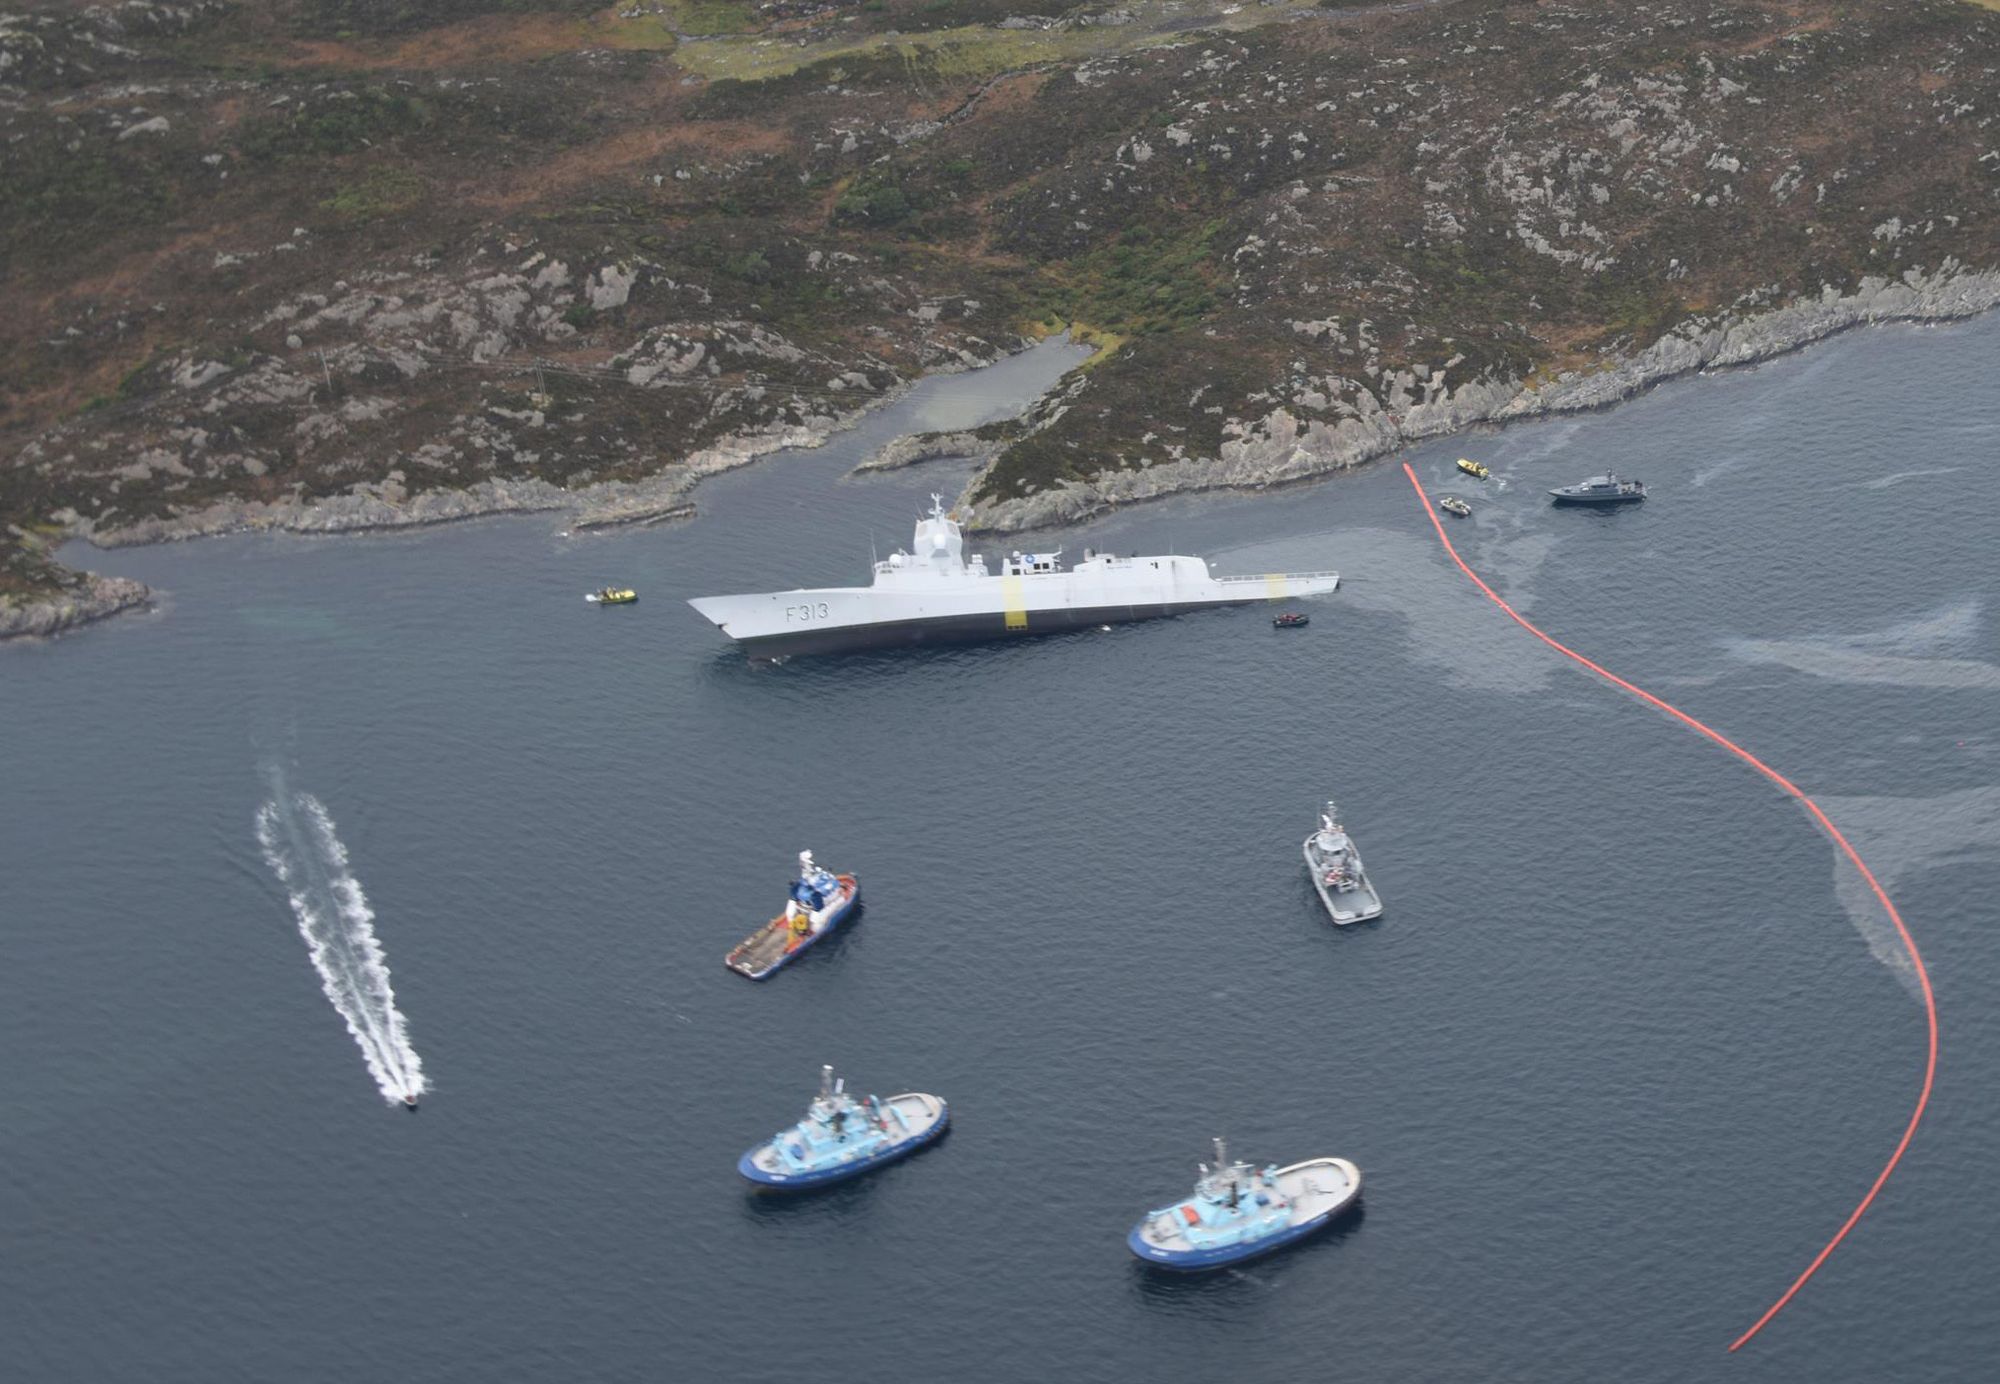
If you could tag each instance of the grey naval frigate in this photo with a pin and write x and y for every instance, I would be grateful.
(934, 593)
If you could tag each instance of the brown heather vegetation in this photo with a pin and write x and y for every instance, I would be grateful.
(316, 248)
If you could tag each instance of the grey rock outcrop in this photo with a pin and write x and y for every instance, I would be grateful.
(94, 599)
(659, 496)
(915, 447)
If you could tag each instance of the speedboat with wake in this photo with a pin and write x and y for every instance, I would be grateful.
(1334, 862)
(820, 902)
(843, 1136)
(1238, 1212)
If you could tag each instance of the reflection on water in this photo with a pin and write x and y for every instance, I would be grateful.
(1910, 653)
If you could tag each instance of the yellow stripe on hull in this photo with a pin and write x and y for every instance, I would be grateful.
(1015, 601)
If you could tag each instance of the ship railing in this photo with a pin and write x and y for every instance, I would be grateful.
(1283, 576)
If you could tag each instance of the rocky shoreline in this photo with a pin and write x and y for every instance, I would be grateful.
(95, 598)
(1278, 448)
(660, 498)
(913, 448)
(1274, 450)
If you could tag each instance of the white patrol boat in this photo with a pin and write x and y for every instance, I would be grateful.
(1334, 862)
(934, 594)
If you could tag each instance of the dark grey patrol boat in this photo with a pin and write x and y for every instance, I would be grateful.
(1600, 490)
(1335, 866)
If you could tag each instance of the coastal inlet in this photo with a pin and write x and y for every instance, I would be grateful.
(1617, 1057)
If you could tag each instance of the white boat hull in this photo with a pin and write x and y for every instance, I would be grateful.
(1357, 905)
(936, 593)
(959, 609)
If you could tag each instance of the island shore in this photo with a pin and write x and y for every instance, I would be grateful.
(94, 597)
(1286, 453)
(432, 267)
(1278, 450)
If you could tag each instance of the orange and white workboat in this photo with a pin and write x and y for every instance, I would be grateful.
(821, 901)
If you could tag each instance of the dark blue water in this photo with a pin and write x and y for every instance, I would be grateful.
(1624, 1052)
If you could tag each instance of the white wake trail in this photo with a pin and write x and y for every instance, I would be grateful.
(302, 849)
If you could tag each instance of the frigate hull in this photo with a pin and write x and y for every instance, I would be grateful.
(976, 627)
(935, 594)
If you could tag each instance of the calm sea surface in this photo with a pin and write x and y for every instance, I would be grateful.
(1626, 1049)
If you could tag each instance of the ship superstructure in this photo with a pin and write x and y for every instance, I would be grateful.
(935, 593)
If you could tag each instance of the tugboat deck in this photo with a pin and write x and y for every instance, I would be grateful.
(843, 1136)
(821, 902)
(762, 949)
(1330, 852)
(1316, 1188)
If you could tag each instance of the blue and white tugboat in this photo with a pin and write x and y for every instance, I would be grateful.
(842, 1137)
(1238, 1212)
(821, 901)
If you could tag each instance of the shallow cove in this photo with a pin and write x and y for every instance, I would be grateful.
(1615, 1062)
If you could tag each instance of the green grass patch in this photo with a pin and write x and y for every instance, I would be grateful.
(377, 193)
(1105, 344)
(706, 18)
(968, 52)
(645, 33)
(964, 51)
(1143, 283)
